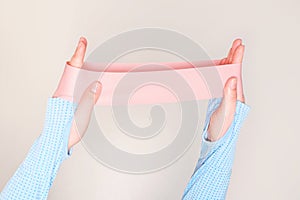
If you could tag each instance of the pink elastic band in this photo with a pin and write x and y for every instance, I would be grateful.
(194, 76)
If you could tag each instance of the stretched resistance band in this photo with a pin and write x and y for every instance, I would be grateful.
(149, 83)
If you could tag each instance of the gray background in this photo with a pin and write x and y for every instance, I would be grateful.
(37, 37)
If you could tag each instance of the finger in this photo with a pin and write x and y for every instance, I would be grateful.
(230, 91)
(222, 62)
(228, 104)
(238, 54)
(222, 118)
(228, 56)
(78, 56)
(236, 43)
(229, 101)
(230, 97)
(238, 58)
(83, 112)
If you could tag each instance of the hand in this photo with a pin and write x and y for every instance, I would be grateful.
(87, 100)
(222, 118)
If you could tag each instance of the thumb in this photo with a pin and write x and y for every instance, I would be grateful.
(83, 112)
(229, 100)
(222, 118)
(230, 92)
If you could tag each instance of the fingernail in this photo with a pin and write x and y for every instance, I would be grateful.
(96, 87)
(233, 84)
(96, 90)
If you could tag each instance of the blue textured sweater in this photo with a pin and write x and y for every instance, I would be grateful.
(35, 175)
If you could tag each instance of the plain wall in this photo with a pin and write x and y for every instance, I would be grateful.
(37, 37)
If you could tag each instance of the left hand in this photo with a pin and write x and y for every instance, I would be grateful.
(87, 100)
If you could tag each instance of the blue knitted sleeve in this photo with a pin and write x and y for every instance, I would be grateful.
(35, 175)
(212, 174)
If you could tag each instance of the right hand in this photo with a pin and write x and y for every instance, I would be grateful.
(222, 118)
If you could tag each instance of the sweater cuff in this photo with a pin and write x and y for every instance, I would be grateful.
(240, 115)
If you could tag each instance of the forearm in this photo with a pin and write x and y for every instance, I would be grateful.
(212, 174)
(35, 175)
